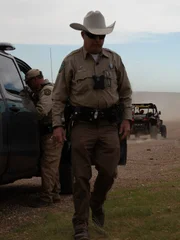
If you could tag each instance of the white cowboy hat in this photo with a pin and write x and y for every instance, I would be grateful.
(94, 23)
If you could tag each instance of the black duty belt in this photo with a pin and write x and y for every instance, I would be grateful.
(93, 114)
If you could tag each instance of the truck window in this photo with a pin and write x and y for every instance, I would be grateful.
(9, 76)
(22, 75)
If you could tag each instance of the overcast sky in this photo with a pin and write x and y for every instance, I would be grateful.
(47, 21)
(146, 35)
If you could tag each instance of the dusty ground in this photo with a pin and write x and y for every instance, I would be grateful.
(148, 161)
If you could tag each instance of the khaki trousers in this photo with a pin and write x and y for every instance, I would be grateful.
(50, 168)
(100, 143)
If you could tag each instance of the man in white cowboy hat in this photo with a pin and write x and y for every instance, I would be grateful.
(95, 82)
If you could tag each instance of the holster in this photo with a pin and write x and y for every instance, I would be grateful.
(45, 129)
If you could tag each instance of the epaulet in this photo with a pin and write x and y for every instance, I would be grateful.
(67, 58)
(110, 51)
(73, 52)
(47, 86)
(46, 83)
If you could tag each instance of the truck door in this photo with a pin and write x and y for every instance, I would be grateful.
(3, 135)
(22, 124)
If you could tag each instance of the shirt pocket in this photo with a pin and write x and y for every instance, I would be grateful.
(82, 81)
(113, 74)
(110, 78)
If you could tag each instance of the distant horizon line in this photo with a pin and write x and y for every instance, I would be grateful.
(108, 43)
(155, 92)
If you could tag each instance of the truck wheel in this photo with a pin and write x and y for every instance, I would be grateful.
(153, 132)
(163, 130)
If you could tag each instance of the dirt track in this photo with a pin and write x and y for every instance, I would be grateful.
(148, 161)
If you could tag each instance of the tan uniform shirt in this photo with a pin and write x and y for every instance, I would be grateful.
(44, 103)
(75, 82)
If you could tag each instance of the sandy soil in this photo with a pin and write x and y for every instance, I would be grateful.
(148, 161)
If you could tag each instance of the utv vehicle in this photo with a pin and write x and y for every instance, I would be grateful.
(146, 121)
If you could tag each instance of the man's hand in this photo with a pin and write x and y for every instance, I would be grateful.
(59, 134)
(124, 129)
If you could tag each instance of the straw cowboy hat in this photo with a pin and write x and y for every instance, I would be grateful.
(94, 23)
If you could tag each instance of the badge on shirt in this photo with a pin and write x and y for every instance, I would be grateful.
(47, 92)
(111, 66)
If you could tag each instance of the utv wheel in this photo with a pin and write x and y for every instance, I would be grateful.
(153, 132)
(163, 130)
(137, 135)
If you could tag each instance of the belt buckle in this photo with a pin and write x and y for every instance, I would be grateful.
(96, 114)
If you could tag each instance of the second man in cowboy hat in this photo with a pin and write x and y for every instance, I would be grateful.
(95, 82)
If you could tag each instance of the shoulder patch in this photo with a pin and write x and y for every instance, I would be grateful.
(67, 58)
(47, 92)
(62, 66)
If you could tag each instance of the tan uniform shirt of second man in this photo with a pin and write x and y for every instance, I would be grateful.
(44, 103)
(51, 150)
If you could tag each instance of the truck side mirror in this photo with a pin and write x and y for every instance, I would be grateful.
(159, 112)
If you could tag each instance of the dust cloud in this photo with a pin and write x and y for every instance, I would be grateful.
(168, 103)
